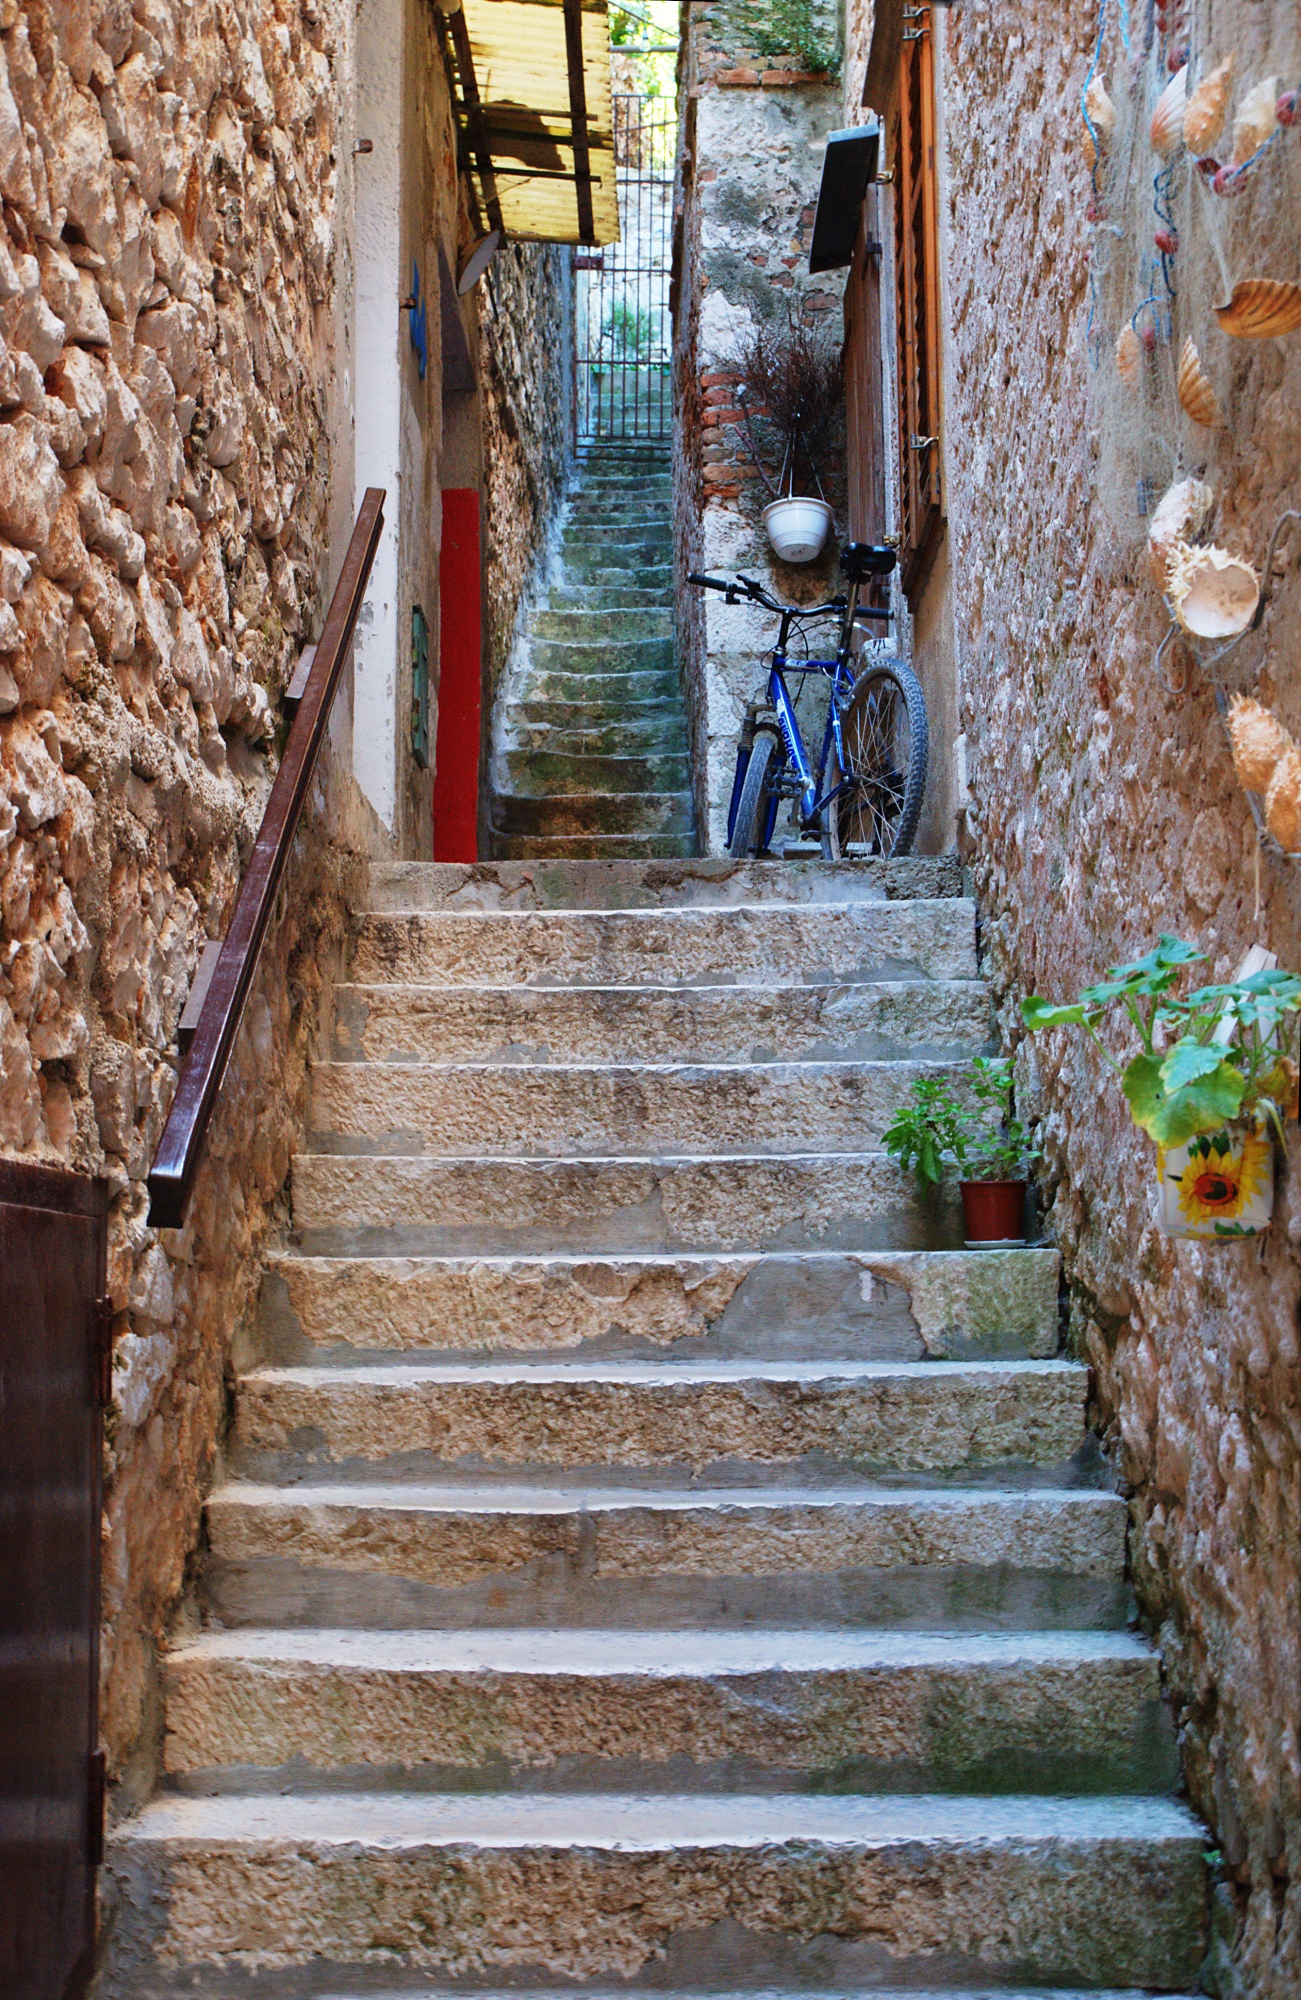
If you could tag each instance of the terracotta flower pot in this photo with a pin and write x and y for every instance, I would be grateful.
(994, 1211)
(1220, 1184)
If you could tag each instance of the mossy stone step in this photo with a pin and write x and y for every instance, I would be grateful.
(656, 736)
(640, 814)
(616, 690)
(558, 656)
(640, 622)
(594, 715)
(542, 772)
(593, 846)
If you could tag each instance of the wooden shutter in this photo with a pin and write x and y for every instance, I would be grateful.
(863, 401)
(917, 303)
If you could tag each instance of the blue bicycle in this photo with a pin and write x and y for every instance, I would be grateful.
(865, 796)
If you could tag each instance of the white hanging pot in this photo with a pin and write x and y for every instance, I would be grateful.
(797, 527)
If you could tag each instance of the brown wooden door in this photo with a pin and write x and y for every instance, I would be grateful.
(52, 1244)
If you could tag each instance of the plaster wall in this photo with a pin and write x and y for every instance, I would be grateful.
(1103, 810)
(753, 131)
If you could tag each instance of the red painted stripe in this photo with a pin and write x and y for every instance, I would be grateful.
(456, 744)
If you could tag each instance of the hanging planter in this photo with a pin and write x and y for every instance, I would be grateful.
(1211, 1081)
(797, 527)
(791, 399)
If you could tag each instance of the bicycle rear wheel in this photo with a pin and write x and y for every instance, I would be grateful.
(753, 811)
(885, 734)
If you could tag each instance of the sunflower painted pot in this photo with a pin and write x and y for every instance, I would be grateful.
(1220, 1184)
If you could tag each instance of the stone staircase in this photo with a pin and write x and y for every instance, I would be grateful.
(649, 1556)
(591, 756)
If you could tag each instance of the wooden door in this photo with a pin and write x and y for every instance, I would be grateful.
(52, 1251)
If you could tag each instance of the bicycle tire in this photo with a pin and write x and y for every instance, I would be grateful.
(750, 825)
(885, 725)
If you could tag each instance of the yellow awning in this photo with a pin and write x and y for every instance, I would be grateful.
(536, 128)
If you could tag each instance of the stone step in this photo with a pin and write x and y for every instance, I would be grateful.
(646, 567)
(615, 690)
(652, 736)
(415, 1205)
(535, 773)
(628, 623)
(615, 1024)
(601, 656)
(866, 1889)
(809, 1305)
(429, 1417)
(575, 1111)
(628, 596)
(740, 945)
(632, 716)
(592, 846)
(647, 815)
(611, 885)
(456, 1554)
(720, 1711)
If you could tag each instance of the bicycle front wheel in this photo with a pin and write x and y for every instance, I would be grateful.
(879, 800)
(750, 827)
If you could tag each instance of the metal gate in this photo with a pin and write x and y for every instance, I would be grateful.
(52, 1384)
(625, 339)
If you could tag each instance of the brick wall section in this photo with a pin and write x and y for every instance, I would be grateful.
(752, 131)
(1104, 811)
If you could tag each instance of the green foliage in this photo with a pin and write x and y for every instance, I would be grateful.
(1204, 1057)
(987, 1142)
(627, 332)
(787, 28)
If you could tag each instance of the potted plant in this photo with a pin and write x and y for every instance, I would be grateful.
(792, 394)
(1209, 1082)
(991, 1147)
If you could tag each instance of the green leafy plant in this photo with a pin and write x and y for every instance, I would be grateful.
(1205, 1057)
(788, 28)
(986, 1140)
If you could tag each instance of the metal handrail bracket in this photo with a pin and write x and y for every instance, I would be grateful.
(181, 1147)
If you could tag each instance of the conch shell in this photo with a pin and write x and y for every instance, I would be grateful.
(1256, 120)
(1261, 308)
(1102, 115)
(1214, 594)
(1129, 356)
(1283, 801)
(1195, 391)
(1259, 740)
(1181, 513)
(1205, 110)
(1168, 118)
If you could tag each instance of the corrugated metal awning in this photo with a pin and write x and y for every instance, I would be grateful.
(534, 105)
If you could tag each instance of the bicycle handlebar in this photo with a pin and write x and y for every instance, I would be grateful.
(745, 586)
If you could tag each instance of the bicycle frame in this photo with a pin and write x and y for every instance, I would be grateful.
(840, 673)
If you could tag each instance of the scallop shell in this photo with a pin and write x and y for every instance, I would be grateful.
(1259, 742)
(1205, 110)
(1283, 801)
(1256, 120)
(1214, 594)
(1182, 512)
(1102, 113)
(1195, 391)
(1261, 308)
(1168, 118)
(1129, 356)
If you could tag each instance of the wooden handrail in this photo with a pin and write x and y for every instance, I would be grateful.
(181, 1146)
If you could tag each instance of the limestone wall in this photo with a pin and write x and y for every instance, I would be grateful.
(753, 128)
(1104, 810)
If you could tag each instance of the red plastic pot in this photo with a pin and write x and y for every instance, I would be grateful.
(994, 1211)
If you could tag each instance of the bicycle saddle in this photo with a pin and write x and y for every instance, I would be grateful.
(860, 560)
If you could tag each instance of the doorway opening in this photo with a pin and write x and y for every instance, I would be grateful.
(623, 327)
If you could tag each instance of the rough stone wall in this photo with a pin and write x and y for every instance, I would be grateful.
(167, 271)
(1104, 810)
(753, 127)
(527, 413)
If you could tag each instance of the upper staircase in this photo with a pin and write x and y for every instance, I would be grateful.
(652, 1553)
(591, 758)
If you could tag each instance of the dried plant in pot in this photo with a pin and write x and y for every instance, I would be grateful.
(1210, 1081)
(992, 1150)
(791, 398)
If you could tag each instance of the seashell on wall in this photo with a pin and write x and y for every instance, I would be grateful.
(1206, 109)
(1255, 122)
(1261, 308)
(1168, 118)
(1259, 741)
(1195, 392)
(1102, 115)
(1181, 513)
(1283, 801)
(1214, 594)
(1129, 356)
